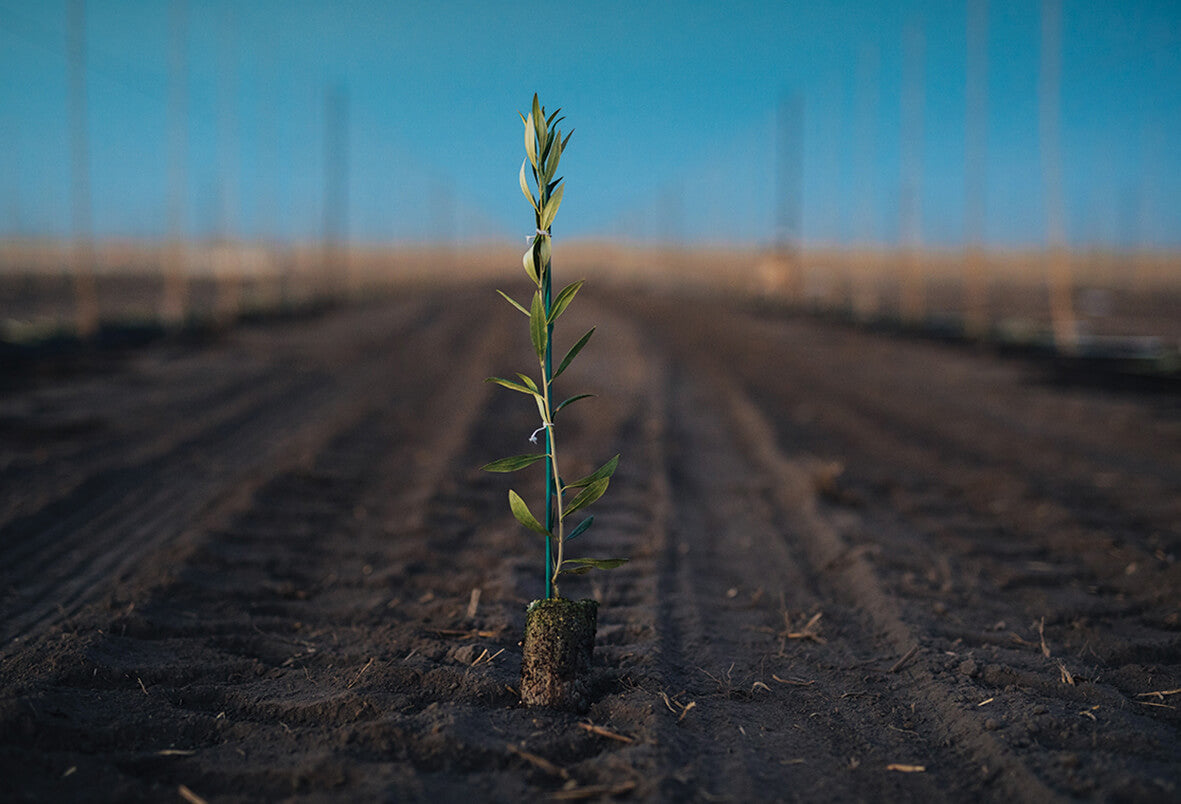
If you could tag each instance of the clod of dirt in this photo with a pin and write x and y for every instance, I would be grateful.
(464, 654)
(968, 668)
(559, 639)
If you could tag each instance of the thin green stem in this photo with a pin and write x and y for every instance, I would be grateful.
(555, 479)
(551, 489)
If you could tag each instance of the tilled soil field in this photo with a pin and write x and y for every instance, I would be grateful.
(862, 567)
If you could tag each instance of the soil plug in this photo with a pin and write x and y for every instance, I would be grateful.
(559, 633)
(559, 640)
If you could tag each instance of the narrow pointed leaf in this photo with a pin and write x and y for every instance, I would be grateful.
(532, 386)
(568, 136)
(512, 386)
(529, 260)
(531, 141)
(581, 566)
(539, 124)
(512, 301)
(582, 528)
(537, 328)
(563, 301)
(603, 472)
(550, 120)
(574, 350)
(553, 155)
(544, 251)
(588, 495)
(525, 185)
(597, 563)
(512, 464)
(549, 188)
(523, 514)
(574, 398)
(551, 207)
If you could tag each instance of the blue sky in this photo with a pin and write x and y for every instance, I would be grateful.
(674, 106)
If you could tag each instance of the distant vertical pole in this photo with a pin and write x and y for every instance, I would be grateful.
(865, 290)
(227, 266)
(336, 190)
(14, 227)
(913, 97)
(975, 288)
(85, 292)
(789, 188)
(1059, 271)
(175, 301)
(274, 284)
(830, 148)
(1152, 145)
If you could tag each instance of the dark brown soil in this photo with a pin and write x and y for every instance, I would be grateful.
(862, 568)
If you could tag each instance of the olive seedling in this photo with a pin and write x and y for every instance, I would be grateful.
(544, 146)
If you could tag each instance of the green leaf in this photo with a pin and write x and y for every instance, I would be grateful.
(549, 188)
(585, 565)
(545, 252)
(568, 136)
(523, 514)
(525, 185)
(604, 471)
(539, 125)
(551, 208)
(588, 495)
(582, 528)
(512, 464)
(574, 398)
(537, 328)
(512, 386)
(532, 386)
(531, 141)
(512, 301)
(563, 301)
(529, 260)
(546, 168)
(574, 350)
(553, 156)
(550, 120)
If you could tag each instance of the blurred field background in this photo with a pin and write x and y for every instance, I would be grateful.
(989, 170)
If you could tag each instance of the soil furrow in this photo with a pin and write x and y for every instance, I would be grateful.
(112, 527)
(291, 620)
(312, 591)
(899, 552)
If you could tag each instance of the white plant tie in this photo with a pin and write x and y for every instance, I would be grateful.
(530, 238)
(533, 438)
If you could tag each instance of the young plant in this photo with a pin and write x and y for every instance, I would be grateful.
(544, 146)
